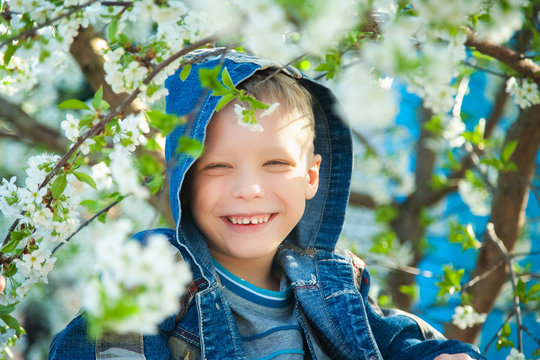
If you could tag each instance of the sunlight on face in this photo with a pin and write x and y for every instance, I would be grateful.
(249, 188)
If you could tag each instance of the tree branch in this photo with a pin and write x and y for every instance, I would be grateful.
(517, 61)
(46, 23)
(98, 128)
(27, 129)
(467, 162)
(362, 200)
(492, 236)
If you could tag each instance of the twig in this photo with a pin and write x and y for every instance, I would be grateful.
(102, 211)
(529, 275)
(520, 254)
(86, 223)
(489, 71)
(484, 275)
(403, 268)
(492, 236)
(96, 129)
(117, 3)
(526, 329)
(475, 164)
(46, 23)
(498, 333)
(535, 192)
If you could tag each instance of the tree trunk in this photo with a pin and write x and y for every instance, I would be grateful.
(507, 216)
(408, 225)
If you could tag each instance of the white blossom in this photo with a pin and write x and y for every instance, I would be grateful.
(102, 175)
(266, 29)
(477, 198)
(506, 18)
(363, 101)
(71, 127)
(452, 13)
(330, 21)
(466, 316)
(515, 355)
(239, 111)
(524, 92)
(36, 264)
(43, 218)
(32, 194)
(144, 281)
(124, 173)
(85, 146)
(453, 130)
(132, 128)
(270, 110)
(222, 17)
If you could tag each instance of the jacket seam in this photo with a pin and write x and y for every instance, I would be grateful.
(328, 315)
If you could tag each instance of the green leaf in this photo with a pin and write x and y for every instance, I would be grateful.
(506, 331)
(435, 125)
(224, 101)
(165, 123)
(98, 103)
(98, 97)
(185, 72)
(92, 205)
(383, 242)
(10, 246)
(438, 181)
(385, 213)
(58, 186)
(508, 151)
(10, 51)
(451, 281)
(73, 104)
(12, 323)
(534, 289)
(156, 183)
(189, 146)
(463, 235)
(521, 291)
(410, 290)
(113, 30)
(149, 166)
(226, 78)
(209, 78)
(12, 270)
(85, 178)
(102, 218)
(5, 310)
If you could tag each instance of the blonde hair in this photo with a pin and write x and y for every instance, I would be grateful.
(274, 85)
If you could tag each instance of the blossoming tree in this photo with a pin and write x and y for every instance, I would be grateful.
(83, 80)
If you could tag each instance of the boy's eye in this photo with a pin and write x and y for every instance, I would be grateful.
(277, 162)
(217, 166)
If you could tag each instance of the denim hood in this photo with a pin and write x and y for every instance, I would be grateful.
(322, 221)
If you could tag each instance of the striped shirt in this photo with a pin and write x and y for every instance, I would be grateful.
(266, 319)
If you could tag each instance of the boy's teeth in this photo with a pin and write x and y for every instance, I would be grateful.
(253, 220)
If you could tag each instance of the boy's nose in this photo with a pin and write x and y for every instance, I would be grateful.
(247, 188)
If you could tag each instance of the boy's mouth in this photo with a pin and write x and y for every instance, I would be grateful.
(249, 220)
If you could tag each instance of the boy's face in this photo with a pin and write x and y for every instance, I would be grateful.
(249, 188)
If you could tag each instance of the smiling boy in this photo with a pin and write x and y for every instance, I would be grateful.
(258, 217)
(249, 188)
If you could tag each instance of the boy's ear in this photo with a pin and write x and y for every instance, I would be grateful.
(312, 177)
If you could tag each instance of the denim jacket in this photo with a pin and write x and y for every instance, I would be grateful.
(330, 287)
